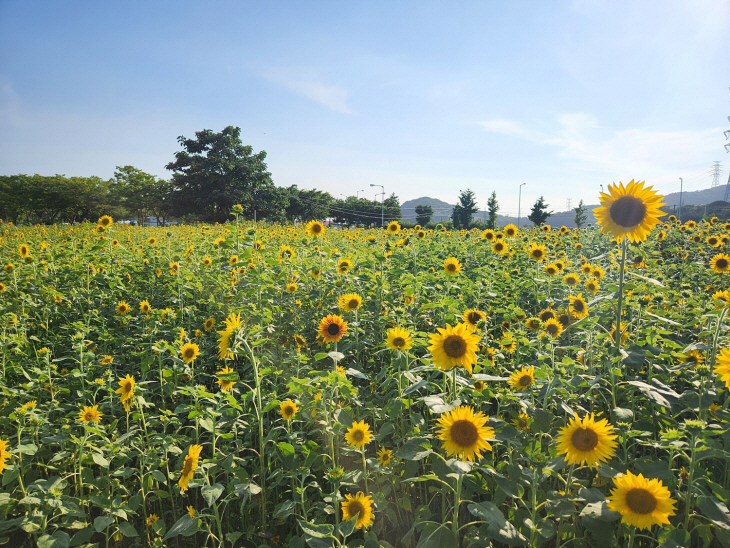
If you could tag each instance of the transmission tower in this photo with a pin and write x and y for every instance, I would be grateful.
(716, 174)
(727, 149)
(569, 201)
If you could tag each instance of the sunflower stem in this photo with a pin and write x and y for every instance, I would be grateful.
(618, 333)
(632, 534)
(457, 504)
(690, 481)
(365, 470)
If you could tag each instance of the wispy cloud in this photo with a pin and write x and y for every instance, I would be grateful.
(334, 97)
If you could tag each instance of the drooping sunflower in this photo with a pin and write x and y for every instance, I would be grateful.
(454, 346)
(343, 266)
(587, 441)
(189, 467)
(385, 456)
(393, 227)
(225, 385)
(533, 323)
(189, 351)
(4, 454)
(90, 414)
(452, 266)
(399, 339)
(123, 308)
(720, 263)
(105, 221)
(24, 251)
(464, 433)
(500, 247)
(287, 409)
(510, 231)
(299, 341)
(641, 502)
(360, 506)
(332, 328)
(209, 324)
(578, 307)
(126, 391)
(233, 323)
(722, 366)
(552, 328)
(358, 435)
(537, 252)
(314, 229)
(522, 422)
(106, 360)
(472, 316)
(349, 302)
(629, 212)
(522, 379)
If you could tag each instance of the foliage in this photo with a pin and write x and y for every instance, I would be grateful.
(492, 208)
(465, 209)
(580, 215)
(304, 205)
(539, 213)
(141, 194)
(423, 214)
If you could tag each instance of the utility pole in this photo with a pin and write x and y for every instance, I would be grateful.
(519, 203)
(382, 205)
(716, 174)
(357, 192)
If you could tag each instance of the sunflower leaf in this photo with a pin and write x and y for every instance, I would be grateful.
(714, 510)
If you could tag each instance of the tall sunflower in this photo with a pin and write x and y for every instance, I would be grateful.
(629, 212)
(314, 229)
(464, 433)
(537, 252)
(500, 247)
(126, 391)
(287, 409)
(385, 456)
(571, 279)
(641, 502)
(105, 221)
(522, 379)
(189, 466)
(359, 434)
(233, 323)
(510, 231)
(587, 441)
(399, 339)
(144, 307)
(24, 251)
(89, 414)
(349, 302)
(123, 308)
(454, 346)
(332, 328)
(360, 506)
(552, 328)
(452, 266)
(722, 366)
(343, 266)
(393, 227)
(488, 235)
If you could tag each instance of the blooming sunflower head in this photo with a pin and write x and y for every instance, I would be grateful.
(209, 324)
(385, 456)
(720, 263)
(314, 229)
(533, 323)
(225, 383)
(90, 414)
(123, 308)
(488, 235)
(189, 351)
(349, 302)
(343, 266)
(144, 307)
(291, 288)
(287, 409)
(464, 433)
(126, 388)
(587, 441)
(104, 221)
(358, 435)
(571, 279)
(500, 247)
(393, 227)
(522, 379)
(360, 506)
(399, 338)
(189, 466)
(472, 316)
(454, 346)
(510, 231)
(452, 266)
(629, 211)
(332, 328)
(641, 502)
(552, 270)
(578, 307)
(592, 285)
(286, 253)
(537, 252)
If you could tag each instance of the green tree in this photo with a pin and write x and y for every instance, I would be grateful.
(492, 208)
(539, 214)
(423, 214)
(465, 209)
(142, 194)
(306, 205)
(580, 215)
(215, 171)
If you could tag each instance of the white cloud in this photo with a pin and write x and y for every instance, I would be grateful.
(334, 97)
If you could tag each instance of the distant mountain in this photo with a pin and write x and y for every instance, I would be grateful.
(442, 210)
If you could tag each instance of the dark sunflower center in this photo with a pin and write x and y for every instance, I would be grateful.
(333, 329)
(510, 232)
(353, 303)
(551, 270)
(537, 253)
(721, 263)
(316, 229)
(358, 435)
(525, 380)
(189, 352)
(552, 329)
(454, 346)
(490, 236)
(451, 267)
(578, 306)
(464, 433)
(640, 501)
(355, 507)
(628, 211)
(288, 410)
(399, 342)
(499, 246)
(474, 318)
(584, 439)
(712, 241)
(547, 315)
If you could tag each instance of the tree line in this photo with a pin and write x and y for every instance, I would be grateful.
(212, 173)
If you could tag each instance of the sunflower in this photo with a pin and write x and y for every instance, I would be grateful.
(533, 323)
(598, 273)
(104, 221)
(537, 252)
(189, 352)
(722, 366)
(551, 270)
(291, 288)
(624, 332)
(287, 409)
(349, 302)
(473, 316)
(464, 433)
(560, 265)
(343, 266)
(385, 456)
(629, 212)
(587, 441)
(452, 266)
(592, 285)
(233, 259)
(510, 231)
(720, 263)
(547, 314)
(694, 357)
(299, 341)
(578, 307)
(360, 506)
(189, 466)
(523, 378)
(89, 414)
(508, 343)
(332, 328)
(233, 323)
(393, 227)
(552, 328)
(144, 307)
(225, 385)
(522, 422)
(571, 279)
(2, 287)
(4, 454)
(314, 229)
(454, 346)
(420, 234)
(545, 228)
(713, 241)
(123, 308)
(488, 235)
(286, 253)
(152, 241)
(399, 339)
(500, 247)
(209, 324)
(359, 434)
(641, 502)
(126, 391)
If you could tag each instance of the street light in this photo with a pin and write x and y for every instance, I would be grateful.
(382, 205)
(358, 192)
(519, 204)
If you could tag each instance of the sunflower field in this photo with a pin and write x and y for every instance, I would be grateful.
(257, 385)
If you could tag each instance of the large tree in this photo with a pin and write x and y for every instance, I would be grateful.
(307, 205)
(215, 171)
(492, 207)
(142, 194)
(539, 213)
(423, 214)
(465, 209)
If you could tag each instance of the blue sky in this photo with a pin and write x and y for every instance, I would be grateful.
(425, 98)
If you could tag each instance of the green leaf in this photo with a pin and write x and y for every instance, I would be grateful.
(319, 356)
(27, 449)
(415, 449)
(59, 539)
(436, 535)
(102, 522)
(211, 493)
(82, 536)
(285, 510)
(714, 510)
(499, 528)
(185, 526)
(347, 527)
(101, 461)
(127, 529)
(623, 415)
(599, 510)
(315, 530)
